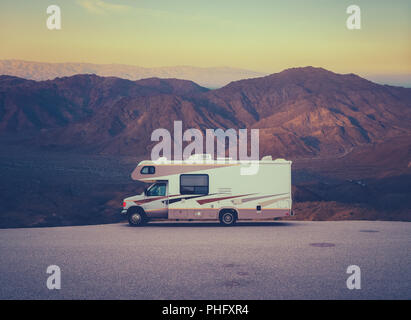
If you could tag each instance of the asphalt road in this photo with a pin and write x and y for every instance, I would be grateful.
(270, 260)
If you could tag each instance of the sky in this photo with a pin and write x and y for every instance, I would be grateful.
(261, 35)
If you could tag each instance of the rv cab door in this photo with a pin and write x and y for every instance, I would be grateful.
(157, 204)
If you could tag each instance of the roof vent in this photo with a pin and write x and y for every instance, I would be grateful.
(267, 158)
(200, 156)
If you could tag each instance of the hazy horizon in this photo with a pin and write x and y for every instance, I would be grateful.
(389, 79)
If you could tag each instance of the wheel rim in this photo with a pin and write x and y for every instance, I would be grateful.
(136, 218)
(228, 218)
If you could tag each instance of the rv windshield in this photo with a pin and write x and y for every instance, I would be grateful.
(157, 189)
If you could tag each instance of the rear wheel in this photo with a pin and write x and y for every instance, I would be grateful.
(137, 217)
(228, 217)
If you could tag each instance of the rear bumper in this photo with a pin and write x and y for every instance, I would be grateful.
(123, 212)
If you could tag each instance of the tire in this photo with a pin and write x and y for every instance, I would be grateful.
(137, 218)
(228, 217)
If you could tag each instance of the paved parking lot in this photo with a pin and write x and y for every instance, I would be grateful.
(270, 260)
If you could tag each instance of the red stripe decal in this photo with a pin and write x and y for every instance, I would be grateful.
(222, 198)
(148, 200)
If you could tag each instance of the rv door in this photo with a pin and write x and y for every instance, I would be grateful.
(157, 204)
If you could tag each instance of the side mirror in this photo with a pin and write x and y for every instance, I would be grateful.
(145, 191)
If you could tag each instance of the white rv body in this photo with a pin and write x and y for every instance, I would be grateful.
(204, 190)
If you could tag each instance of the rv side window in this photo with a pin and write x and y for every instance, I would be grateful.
(148, 170)
(194, 184)
(158, 189)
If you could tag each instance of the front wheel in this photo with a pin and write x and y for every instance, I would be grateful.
(228, 217)
(137, 218)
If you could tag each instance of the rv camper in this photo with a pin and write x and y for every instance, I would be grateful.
(205, 189)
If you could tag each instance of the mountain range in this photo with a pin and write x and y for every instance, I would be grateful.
(301, 112)
(68, 145)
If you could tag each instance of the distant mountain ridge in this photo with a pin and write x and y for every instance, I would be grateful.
(301, 112)
(214, 77)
